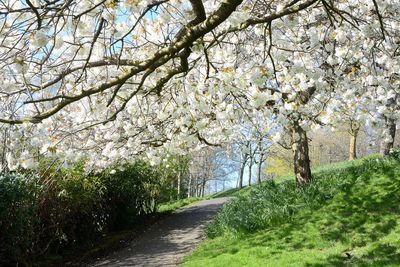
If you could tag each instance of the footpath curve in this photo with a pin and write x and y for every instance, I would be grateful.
(169, 240)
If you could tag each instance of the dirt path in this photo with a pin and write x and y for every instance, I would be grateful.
(166, 242)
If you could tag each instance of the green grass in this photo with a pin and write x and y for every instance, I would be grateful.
(357, 225)
(233, 192)
(176, 204)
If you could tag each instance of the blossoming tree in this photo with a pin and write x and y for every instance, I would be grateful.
(109, 79)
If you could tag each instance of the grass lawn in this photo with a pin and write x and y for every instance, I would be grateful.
(176, 204)
(359, 226)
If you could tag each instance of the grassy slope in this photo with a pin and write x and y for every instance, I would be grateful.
(360, 226)
(233, 192)
(177, 204)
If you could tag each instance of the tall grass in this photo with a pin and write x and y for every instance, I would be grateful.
(274, 203)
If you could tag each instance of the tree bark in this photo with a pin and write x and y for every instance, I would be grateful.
(178, 189)
(189, 193)
(353, 144)
(353, 147)
(196, 186)
(4, 165)
(203, 185)
(259, 167)
(261, 155)
(301, 158)
(353, 131)
(387, 145)
(250, 171)
(241, 173)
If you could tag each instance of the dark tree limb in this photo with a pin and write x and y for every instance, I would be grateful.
(380, 19)
(34, 9)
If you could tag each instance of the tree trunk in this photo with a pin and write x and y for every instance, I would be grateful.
(195, 186)
(352, 147)
(260, 161)
(203, 185)
(172, 197)
(4, 164)
(353, 131)
(250, 171)
(189, 186)
(241, 173)
(301, 158)
(388, 142)
(178, 189)
(329, 154)
(353, 144)
(259, 168)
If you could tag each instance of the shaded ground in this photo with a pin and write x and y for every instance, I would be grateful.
(166, 242)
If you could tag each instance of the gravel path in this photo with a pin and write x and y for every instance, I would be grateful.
(167, 241)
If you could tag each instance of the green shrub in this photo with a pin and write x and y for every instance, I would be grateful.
(169, 169)
(64, 208)
(132, 191)
(18, 206)
(71, 211)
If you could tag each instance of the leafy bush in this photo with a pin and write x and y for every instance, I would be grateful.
(71, 210)
(271, 203)
(18, 205)
(169, 169)
(133, 190)
(40, 215)
(62, 208)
